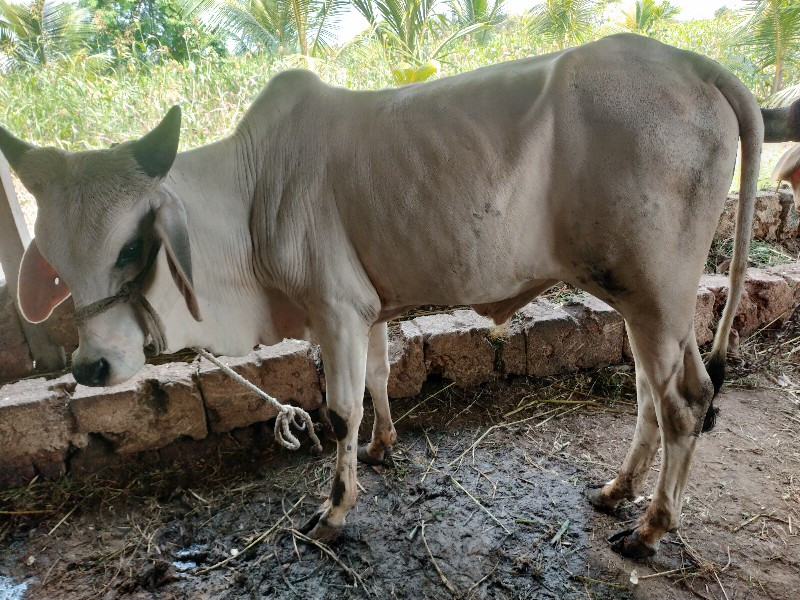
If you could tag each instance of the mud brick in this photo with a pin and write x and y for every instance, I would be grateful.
(457, 347)
(775, 216)
(537, 340)
(599, 339)
(791, 275)
(158, 405)
(766, 297)
(406, 360)
(704, 315)
(36, 429)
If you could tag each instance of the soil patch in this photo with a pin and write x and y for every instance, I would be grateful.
(485, 500)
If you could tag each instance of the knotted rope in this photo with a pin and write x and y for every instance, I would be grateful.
(287, 415)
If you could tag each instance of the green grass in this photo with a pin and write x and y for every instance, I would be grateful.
(762, 254)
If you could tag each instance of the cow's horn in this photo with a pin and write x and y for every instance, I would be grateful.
(12, 147)
(155, 152)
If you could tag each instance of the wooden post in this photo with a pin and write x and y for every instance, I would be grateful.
(14, 238)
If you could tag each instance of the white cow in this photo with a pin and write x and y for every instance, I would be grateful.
(331, 211)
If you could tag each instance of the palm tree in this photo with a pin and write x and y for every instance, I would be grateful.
(412, 35)
(647, 15)
(272, 25)
(772, 32)
(473, 12)
(563, 23)
(41, 31)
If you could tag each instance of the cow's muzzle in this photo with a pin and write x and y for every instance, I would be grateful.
(93, 374)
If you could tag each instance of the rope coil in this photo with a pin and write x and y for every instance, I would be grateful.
(287, 415)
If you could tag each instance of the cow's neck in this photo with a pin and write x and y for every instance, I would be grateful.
(233, 305)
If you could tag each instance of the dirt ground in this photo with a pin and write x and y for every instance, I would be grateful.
(485, 500)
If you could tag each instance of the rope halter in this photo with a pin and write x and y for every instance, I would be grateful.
(131, 292)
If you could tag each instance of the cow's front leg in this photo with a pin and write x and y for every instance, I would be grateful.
(383, 432)
(343, 337)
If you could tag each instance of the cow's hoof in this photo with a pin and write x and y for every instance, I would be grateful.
(385, 459)
(306, 527)
(594, 493)
(318, 528)
(628, 543)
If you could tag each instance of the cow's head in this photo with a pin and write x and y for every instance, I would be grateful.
(788, 169)
(101, 215)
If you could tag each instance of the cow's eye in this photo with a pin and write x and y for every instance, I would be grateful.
(130, 253)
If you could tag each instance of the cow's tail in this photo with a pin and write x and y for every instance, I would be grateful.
(751, 133)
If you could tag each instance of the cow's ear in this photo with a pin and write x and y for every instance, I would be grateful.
(39, 288)
(788, 169)
(156, 151)
(172, 228)
(12, 147)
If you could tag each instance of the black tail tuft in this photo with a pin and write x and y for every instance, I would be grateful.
(716, 370)
(711, 418)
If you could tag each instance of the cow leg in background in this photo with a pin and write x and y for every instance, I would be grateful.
(682, 392)
(383, 432)
(630, 479)
(343, 338)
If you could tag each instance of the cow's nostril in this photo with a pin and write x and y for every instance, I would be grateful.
(93, 374)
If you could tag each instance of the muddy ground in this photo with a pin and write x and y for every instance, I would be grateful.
(485, 500)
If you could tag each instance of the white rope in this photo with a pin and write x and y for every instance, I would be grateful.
(287, 414)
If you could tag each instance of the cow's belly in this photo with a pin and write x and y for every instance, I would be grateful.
(488, 257)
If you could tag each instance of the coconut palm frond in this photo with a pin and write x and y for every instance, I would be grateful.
(326, 23)
(261, 24)
(647, 15)
(772, 32)
(38, 32)
(473, 12)
(563, 23)
(784, 97)
(282, 25)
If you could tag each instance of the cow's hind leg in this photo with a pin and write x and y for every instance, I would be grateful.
(383, 432)
(682, 392)
(343, 337)
(631, 476)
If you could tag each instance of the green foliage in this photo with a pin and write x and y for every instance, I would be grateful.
(563, 23)
(474, 12)
(41, 31)
(712, 38)
(85, 109)
(274, 26)
(410, 40)
(412, 35)
(772, 33)
(148, 30)
(647, 15)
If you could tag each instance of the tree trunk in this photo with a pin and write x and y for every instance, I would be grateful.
(300, 21)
